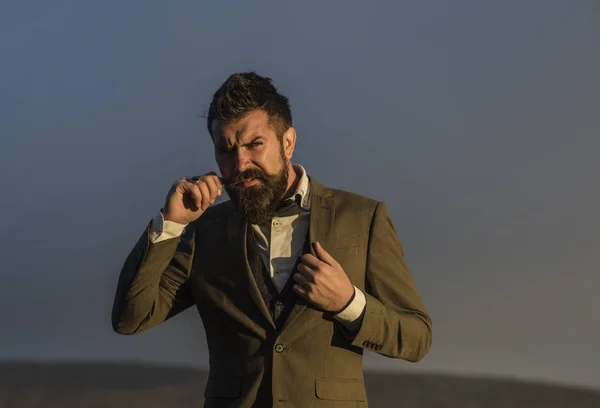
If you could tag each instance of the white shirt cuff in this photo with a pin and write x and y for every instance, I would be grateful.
(161, 229)
(351, 316)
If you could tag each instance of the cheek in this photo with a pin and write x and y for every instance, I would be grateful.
(262, 160)
(276, 159)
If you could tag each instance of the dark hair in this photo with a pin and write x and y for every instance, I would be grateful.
(244, 92)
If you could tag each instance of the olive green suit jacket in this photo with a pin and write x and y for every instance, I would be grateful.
(313, 361)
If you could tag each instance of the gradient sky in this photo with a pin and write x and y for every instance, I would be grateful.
(478, 123)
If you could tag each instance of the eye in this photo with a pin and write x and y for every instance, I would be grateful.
(254, 144)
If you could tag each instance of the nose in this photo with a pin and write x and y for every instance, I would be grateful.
(242, 160)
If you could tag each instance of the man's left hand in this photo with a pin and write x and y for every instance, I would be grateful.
(322, 281)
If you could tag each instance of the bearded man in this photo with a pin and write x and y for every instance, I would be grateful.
(292, 280)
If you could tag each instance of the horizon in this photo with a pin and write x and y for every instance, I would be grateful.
(367, 371)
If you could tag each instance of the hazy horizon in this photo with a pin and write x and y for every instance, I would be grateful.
(476, 123)
(133, 385)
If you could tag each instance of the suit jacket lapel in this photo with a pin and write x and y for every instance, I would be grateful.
(237, 230)
(322, 217)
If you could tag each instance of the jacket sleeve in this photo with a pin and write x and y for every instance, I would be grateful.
(153, 283)
(395, 322)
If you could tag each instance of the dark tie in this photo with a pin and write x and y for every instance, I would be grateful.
(289, 207)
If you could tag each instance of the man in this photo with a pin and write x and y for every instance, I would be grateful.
(292, 280)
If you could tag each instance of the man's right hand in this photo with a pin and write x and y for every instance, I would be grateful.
(189, 197)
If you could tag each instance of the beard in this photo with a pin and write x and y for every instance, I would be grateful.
(257, 204)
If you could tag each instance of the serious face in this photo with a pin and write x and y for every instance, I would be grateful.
(255, 164)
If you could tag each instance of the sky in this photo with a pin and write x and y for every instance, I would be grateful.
(477, 123)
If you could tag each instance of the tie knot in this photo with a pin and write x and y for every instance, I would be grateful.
(289, 207)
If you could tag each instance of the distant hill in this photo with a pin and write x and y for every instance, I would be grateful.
(29, 385)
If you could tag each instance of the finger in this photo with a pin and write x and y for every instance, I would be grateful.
(323, 254)
(182, 185)
(196, 194)
(218, 182)
(311, 261)
(306, 272)
(300, 290)
(203, 187)
(302, 279)
(211, 183)
(191, 191)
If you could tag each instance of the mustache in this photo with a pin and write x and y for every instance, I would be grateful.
(245, 175)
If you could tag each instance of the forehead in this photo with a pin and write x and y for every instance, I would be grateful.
(255, 123)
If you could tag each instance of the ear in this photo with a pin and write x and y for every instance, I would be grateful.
(289, 142)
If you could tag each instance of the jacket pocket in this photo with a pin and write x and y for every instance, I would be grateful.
(340, 389)
(223, 387)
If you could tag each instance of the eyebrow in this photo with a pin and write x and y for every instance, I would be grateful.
(227, 146)
(255, 139)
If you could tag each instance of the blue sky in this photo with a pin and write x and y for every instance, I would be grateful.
(476, 122)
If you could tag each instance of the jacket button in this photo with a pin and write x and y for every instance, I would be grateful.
(279, 348)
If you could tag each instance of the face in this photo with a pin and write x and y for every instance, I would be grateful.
(254, 163)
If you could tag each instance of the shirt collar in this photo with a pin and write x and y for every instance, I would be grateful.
(302, 193)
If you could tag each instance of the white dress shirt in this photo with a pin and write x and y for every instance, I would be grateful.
(280, 244)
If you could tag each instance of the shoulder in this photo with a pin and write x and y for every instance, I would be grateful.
(347, 200)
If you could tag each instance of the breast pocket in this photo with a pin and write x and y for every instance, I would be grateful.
(348, 244)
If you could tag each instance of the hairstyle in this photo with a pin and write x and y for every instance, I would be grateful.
(244, 92)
